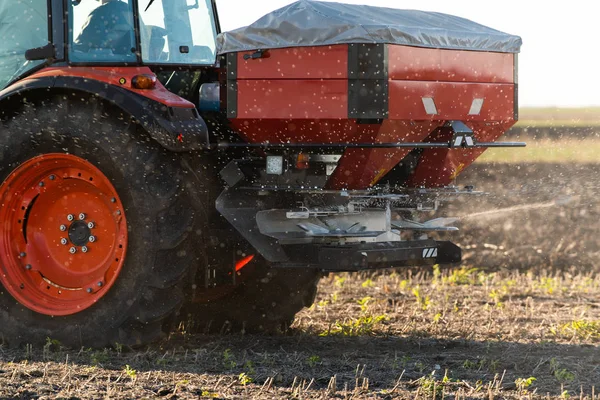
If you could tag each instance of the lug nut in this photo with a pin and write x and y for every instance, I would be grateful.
(91, 225)
(23, 254)
(82, 216)
(89, 290)
(70, 217)
(41, 184)
(63, 241)
(84, 249)
(63, 228)
(100, 284)
(73, 250)
(113, 200)
(92, 239)
(28, 267)
(52, 177)
(118, 212)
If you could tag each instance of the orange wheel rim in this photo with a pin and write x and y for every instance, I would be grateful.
(63, 235)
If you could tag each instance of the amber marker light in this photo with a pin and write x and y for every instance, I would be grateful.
(303, 161)
(144, 81)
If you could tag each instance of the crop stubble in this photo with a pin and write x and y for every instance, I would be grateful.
(525, 303)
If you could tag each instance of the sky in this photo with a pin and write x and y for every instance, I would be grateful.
(559, 63)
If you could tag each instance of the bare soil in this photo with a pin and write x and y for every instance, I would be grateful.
(519, 318)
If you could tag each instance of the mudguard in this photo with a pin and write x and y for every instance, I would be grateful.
(177, 129)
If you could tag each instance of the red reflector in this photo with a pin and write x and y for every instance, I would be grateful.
(243, 262)
(144, 81)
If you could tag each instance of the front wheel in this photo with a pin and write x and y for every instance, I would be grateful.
(95, 240)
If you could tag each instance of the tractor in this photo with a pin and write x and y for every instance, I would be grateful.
(158, 173)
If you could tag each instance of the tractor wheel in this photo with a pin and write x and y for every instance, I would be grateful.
(263, 299)
(95, 241)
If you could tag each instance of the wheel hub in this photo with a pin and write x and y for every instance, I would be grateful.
(79, 233)
(65, 235)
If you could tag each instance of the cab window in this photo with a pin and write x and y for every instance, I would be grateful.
(23, 26)
(177, 32)
(102, 31)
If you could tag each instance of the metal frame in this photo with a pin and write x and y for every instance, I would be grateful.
(368, 69)
(57, 28)
(223, 145)
(284, 206)
(516, 82)
(353, 258)
(462, 137)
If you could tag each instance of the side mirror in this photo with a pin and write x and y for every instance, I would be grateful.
(210, 97)
(41, 53)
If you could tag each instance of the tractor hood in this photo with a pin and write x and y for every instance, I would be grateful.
(315, 23)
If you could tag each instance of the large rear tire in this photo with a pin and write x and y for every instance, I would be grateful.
(141, 218)
(263, 299)
(267, 301)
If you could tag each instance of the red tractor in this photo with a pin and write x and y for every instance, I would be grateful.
(155, 171)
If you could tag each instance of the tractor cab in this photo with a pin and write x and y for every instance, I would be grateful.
(176, 32)
(163, 34)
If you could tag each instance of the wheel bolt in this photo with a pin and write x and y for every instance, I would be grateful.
(113, 200)
(70, 217)
(52, 177)
(23, 254)
(118, 212)
(82, 216)
(73, 250)
(89, 290)
(28, 267)
(92, 239)
(91, 225)
(41, 184)
(84, 249)
(63, 228)
(63, 241)
(100, 284)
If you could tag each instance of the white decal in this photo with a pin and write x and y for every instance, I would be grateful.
(430, 253)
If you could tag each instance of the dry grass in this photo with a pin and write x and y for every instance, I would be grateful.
(559, 117)
(582, 151)
(427, 334)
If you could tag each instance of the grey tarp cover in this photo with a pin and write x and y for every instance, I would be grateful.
(317, 23)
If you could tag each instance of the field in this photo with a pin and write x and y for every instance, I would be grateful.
(520, 318)
(563, 117)
(545, 150)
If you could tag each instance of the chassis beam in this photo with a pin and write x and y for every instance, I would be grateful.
(424, 145)
(368, 256)
(462, 137)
